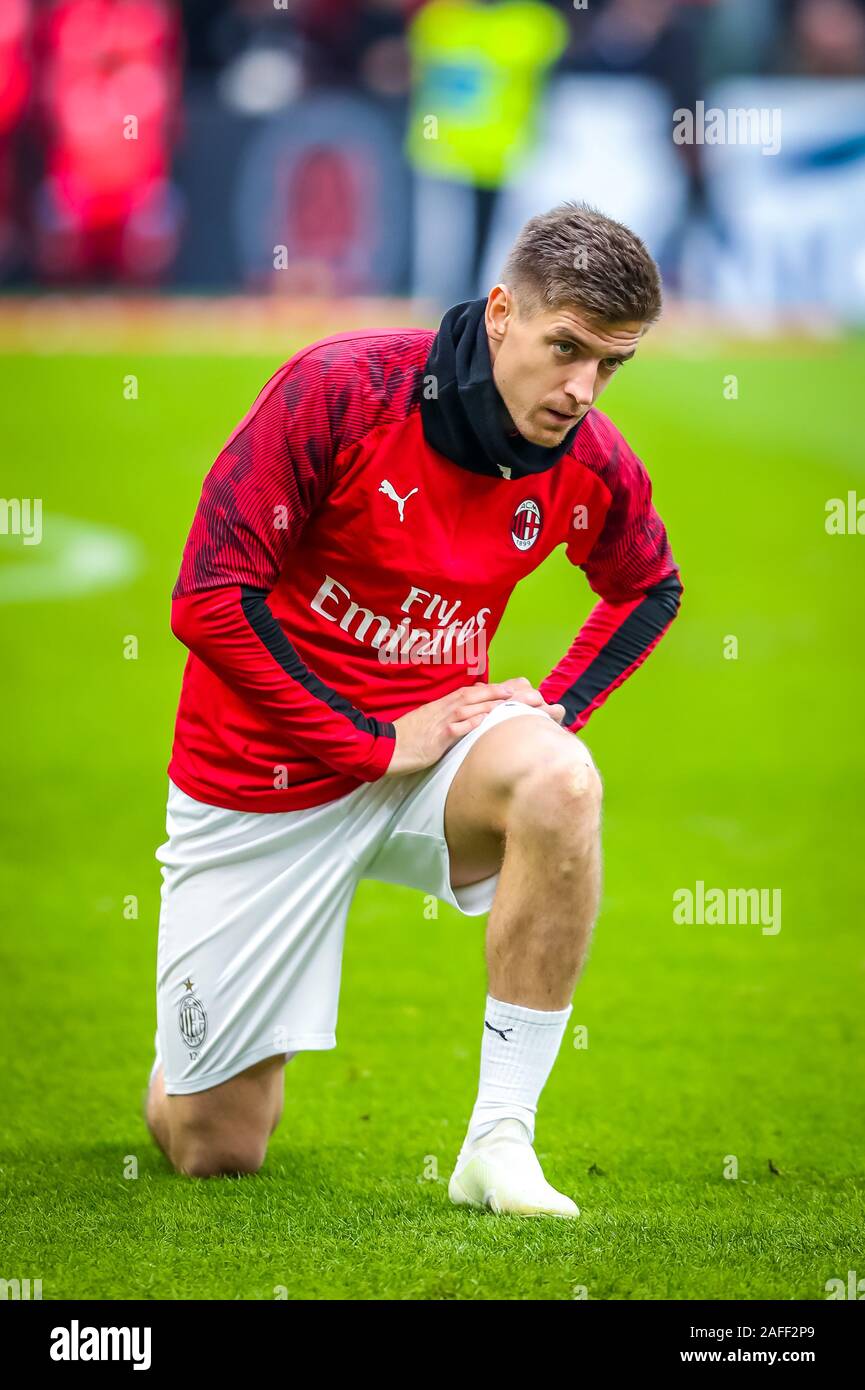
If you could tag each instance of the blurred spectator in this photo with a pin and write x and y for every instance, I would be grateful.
(660, 39)
(15, 80)
(740, 37)
(108, 100)
(663, 40)
(358, 42)
(326, 43)
(478, 73)
(825, 38)
(256, 50)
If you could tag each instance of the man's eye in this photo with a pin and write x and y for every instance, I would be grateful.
(568, 347)
(611, 363)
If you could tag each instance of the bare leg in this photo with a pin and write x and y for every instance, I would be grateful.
(546, 902)
(527, 787)
(222, 1130)
(526, 800)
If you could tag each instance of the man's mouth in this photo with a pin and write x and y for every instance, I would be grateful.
(561, 417)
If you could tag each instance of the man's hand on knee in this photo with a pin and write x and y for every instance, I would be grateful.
(521, 688)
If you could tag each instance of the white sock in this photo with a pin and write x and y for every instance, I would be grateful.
(517, 1054)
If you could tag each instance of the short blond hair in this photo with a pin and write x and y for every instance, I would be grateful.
(573, 254)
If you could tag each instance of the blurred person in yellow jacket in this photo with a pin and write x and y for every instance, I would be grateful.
(478, 74)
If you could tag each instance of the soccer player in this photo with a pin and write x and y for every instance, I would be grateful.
(351, 557)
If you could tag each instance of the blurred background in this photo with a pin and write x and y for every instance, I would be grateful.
(318, 148)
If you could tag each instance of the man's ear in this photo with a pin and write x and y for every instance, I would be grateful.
(500, 308)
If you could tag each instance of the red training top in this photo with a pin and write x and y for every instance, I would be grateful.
(340, 572)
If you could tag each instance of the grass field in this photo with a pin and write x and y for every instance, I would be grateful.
(704, 1041)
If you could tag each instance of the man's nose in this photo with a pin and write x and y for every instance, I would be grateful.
(581, 382)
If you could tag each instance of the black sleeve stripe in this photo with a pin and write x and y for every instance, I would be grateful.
(267, 629)
(637, 633)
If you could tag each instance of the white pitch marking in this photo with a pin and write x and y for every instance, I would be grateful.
(74, 558)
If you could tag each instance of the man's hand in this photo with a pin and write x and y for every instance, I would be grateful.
(426, 734)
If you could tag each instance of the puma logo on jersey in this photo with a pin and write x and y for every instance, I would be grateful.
(388, 490)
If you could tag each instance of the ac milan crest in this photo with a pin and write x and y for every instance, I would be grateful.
(192, 1019)
(526, 525)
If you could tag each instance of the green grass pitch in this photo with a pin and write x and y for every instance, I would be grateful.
(704, 1042)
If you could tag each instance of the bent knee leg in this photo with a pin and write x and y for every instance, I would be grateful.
(205, 1147)
(561, 795)
(225, 1130)
(218, 1156)
(528, 754)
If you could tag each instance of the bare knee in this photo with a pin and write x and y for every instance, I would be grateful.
(205, 1150)
(206, 1144)
(213, 1158)
(224, 1129)
(559, 796)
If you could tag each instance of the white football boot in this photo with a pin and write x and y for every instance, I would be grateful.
(501, 1171)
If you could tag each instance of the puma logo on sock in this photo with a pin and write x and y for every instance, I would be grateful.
(501, 1032)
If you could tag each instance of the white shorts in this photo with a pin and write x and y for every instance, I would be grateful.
(254, 908)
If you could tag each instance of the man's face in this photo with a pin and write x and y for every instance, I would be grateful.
(550, 368)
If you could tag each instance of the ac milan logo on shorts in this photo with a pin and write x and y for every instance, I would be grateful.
(526, 525)
(193, 1021)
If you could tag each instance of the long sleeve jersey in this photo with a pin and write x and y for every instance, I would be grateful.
(340, 572)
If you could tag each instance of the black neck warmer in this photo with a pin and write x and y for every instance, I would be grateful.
(467, 420)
